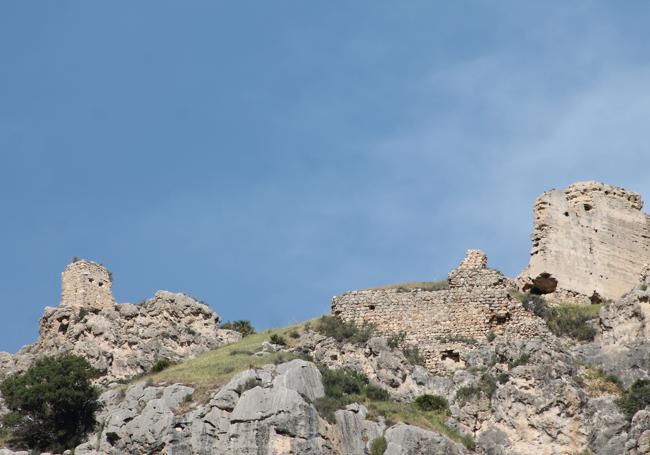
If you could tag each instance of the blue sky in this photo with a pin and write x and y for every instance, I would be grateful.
(265, 156)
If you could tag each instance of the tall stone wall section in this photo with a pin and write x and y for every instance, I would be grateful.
(591, 241)
(444, 324)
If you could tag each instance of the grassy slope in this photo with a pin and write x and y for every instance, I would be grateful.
(215, 368)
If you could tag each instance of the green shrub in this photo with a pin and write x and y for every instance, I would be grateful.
(278, 339)
(332, 326)
(397, 340)
(376, 393)
(52, 405)
(241, 326)
(432, 403)
(486, 384)
(523, 359)
(564, 320)
(635, 398)
(378, 446)
(344, 386)
(491, 336)
(160, 365)
(412, 354)
(502, 378)
(294, 334)
(572, 321)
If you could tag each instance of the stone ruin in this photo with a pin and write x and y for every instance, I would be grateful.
(446, 325)
(120, 340)
(591, 242)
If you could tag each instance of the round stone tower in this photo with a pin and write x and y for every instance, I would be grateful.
(86, 284)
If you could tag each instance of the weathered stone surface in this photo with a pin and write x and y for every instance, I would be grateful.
(444, 324)
(591, 238)
(638, 442)
(409, 440)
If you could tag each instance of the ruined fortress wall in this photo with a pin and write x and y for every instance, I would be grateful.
(447, 323)
(590, 237)
(86, 284)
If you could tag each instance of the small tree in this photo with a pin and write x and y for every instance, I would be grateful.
(52, 404)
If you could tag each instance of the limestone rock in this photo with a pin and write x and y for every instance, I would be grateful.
(409, 440)
(590, 240)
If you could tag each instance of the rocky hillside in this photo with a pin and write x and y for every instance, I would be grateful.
(497, 366)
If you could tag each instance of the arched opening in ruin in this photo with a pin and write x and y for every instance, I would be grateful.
(595, 298)
(451, 355)
(545, 283)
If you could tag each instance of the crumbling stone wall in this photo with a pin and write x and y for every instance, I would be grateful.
(444, 324)
(590, 242)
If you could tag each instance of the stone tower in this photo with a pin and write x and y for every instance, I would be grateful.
(86, 284)
(591, 240)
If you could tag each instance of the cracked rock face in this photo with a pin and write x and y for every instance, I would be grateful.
(125, 340)
(592, 239)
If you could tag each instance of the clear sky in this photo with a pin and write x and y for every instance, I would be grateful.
(267, 155)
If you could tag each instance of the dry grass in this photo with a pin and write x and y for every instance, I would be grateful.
(598, 383)
(424, 285)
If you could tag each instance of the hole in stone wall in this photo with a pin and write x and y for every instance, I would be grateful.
(372, 307)
(450, 354)
(566, 213)
(587, 207)
(545, 283)
(338, 312)
(90, 280)
(500, 318)
(100, 284)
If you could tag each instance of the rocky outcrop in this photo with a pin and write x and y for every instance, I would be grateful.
(590, 242)
(268, 410)
(622, 346)
(122, 340)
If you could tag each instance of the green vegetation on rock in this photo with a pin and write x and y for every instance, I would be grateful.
(331, 326)
(241, 326)
(52, 405)
(378, 446)
(423, 285)
(565, 319)
(635, 398)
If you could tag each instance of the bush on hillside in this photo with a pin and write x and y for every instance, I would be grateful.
(433, 403)
(332, 326)
(635, 398)
(52, 405)
(160, 365)
(564, 320)
(344, 386)
(241, 326)
(278, 339)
